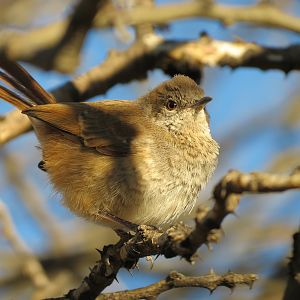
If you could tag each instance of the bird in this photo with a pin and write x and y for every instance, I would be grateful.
(121, 163)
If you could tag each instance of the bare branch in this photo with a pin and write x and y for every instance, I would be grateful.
(177, 280)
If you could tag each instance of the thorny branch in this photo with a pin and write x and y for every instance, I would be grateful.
(177, 280)
(186, 57)
(179, 240)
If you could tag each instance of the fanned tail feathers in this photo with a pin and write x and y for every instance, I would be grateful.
(28, 91)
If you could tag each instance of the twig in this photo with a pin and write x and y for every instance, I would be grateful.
(187, 57)
(177, 280)
(179, 240)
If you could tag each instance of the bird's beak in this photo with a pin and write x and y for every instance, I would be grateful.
(199, 104)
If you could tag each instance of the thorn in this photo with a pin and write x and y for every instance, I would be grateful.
(130, 272)
(99, 251)
(211, 290)
(117, 279)
(211, 271)
(156, 257)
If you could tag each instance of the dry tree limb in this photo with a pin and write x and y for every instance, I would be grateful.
(187, 57)
(293, 285)
(179, 240)
(24, 46)
(177, 280)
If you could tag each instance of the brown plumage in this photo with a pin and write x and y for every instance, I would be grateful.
(143, 161)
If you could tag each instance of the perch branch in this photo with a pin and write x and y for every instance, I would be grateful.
(179, 240)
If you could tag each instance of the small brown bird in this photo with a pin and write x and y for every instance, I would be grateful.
(121, 162)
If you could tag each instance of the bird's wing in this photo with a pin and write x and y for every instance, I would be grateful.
(108, 126)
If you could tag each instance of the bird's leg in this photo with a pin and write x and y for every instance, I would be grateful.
(115, 222)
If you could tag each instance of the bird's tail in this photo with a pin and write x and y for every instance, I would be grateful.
(22, 90)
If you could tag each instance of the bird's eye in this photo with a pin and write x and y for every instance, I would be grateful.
(171, 105)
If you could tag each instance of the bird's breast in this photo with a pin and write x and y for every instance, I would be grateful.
(165, 182)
